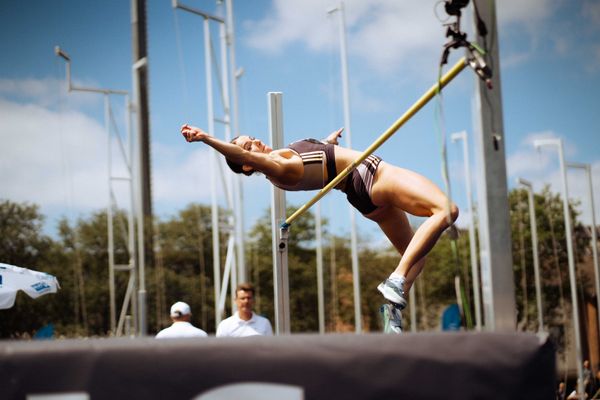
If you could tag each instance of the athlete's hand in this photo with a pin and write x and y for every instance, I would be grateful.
(193, 134)
(333, 136)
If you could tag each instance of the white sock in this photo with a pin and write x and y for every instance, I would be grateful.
(397, 279)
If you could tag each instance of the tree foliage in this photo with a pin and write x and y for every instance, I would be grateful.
(552, 248)
(23, 244)
(183, 270)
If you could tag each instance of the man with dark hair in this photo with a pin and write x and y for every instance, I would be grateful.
(244, 322)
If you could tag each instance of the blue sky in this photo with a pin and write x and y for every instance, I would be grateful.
(53, 150)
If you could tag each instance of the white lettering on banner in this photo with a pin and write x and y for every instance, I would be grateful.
(253, 391)
(59, 396)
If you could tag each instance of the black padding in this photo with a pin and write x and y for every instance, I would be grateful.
(375, 366)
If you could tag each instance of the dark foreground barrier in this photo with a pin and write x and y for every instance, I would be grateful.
(410, 366)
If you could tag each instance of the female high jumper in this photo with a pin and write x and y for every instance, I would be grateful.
(381, 191)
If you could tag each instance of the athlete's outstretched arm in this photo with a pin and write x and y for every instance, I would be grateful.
(231, 151)
(273, 166)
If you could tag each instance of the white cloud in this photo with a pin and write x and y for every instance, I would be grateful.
(51, 158)
(58, 158)
(528, 161)
(542, 168)
(180, 177)
(384, 34)
(46, 92)
(42, 91)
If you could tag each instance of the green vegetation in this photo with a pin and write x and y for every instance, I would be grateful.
(183, 270)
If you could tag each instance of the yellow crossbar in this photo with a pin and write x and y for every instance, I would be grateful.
(451, 74)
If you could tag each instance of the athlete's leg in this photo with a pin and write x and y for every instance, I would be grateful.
(396, 227)
(417, 195)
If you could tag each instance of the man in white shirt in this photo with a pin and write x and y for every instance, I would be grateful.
(244, 322)
(181, 314)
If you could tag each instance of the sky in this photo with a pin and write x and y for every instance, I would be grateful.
(53, 150)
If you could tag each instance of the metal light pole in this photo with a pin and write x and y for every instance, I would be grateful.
(569, 233)
(232, 185)
(235, 74)
(588, 170)
(534, 246)
(346, 102)
(472, 241)
(319, 255)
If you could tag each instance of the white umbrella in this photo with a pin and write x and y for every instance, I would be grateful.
(34, 283)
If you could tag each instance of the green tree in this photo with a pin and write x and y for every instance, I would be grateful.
(553, 259)
(184, 266)
(23, 244)
(85, 247)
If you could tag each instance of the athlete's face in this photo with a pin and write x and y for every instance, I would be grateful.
(250, 143)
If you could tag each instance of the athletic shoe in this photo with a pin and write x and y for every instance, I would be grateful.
(393, 293)
(392, 318)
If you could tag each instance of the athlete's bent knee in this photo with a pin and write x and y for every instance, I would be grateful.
(452, 213)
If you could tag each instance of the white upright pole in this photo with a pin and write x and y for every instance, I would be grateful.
(239, 193)
(571, 258)
(472, 240)
(588, 169)
(279, 241)
(131, 214)
(412, 298)
(109, 216)
(348, 133)
(534, 246)
(320, 295)
(210, 116)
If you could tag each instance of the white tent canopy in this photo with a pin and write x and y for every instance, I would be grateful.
(34, 283)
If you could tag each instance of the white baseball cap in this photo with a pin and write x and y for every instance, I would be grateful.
(179, 309)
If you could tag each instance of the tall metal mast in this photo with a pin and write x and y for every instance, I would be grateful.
(348, 131)
(497, 280)
(145, 221)
(238, 187)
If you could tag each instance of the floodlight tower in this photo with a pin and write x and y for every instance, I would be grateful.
(346, 101)
(588, 170)
(234, 266)
(534, 246)
(127, 156)
(569, 234)
(235, 73)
